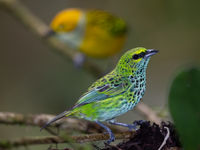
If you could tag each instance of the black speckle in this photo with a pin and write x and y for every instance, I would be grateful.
(104, 88)
(100, 87)
(103, 80)
(110, 79)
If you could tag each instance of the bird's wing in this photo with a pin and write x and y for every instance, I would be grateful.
(102, 90)
(116, 26)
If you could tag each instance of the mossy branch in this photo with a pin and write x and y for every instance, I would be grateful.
(55, 139)
(146, 129)
(84, 126)
(33, 23)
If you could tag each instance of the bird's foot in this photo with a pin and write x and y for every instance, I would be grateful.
(109, 132)
(129, 126)
(132, 127)
(111, 139)
(78, 60)
(136, 123)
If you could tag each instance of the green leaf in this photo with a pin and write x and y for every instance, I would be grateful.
(184, 103)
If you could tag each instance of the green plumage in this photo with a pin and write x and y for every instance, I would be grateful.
(114, 25)
(115, 93)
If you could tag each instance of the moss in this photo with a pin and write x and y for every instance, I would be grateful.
(149, 137)
(5, 144)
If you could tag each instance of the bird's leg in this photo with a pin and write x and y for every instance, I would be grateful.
(112, 137)
(129, 126)
(79, 59)
(139, 122)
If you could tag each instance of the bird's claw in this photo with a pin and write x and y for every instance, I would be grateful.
(135, 124)
(78, 60)
(111, 139)
(138, 122)
(132, 127)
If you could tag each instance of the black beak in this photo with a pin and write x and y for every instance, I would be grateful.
(150, 52)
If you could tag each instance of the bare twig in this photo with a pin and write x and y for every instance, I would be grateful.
(56, 139)
(39, 120)
(33, 23)
(148, 113)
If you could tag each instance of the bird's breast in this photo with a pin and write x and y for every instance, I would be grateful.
(75, 37)
(136, 90)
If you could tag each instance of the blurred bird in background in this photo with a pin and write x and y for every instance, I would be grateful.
(115, 93)
(95, 33)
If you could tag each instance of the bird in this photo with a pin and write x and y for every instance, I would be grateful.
(94, 33)
(115, 93)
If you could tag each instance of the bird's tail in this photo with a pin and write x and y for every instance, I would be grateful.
(62, 115)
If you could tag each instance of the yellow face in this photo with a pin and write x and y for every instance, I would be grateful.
(135, 59)
(140, 54)
(137, 54)
(66, 20)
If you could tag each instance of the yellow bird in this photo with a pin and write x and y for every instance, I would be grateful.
(95, 33)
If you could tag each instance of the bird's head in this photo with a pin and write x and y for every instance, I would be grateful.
(66, 20)
(135, 60)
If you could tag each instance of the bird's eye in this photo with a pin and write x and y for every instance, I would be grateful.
(136, 56)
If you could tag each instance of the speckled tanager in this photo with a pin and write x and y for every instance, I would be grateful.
(115, 93)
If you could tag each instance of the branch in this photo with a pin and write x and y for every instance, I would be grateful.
(33, 23)
(56, 139)
(39, 120)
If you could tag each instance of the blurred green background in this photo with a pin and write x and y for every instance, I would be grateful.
(35, 80)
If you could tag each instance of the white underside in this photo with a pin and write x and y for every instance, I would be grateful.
(74, 38)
